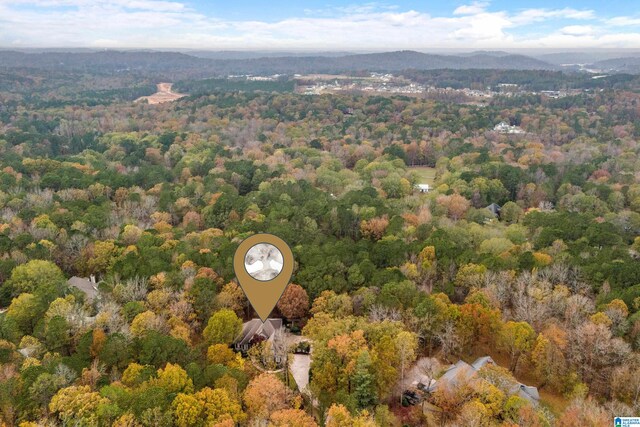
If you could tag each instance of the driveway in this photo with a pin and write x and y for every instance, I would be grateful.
(299, 366)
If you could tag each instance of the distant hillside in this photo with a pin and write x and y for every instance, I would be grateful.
(242, 54)
(586, 57)
(181, 65)
(531, 80)
(626, 65)
(485, 52)
(393, 61)
(106, 61)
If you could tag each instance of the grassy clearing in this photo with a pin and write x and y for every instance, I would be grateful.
(426, 175)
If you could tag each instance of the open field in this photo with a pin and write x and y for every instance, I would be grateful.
(164, 94)
(426, 174)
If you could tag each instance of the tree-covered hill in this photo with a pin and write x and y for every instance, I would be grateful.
(174, 63)
(153, 201)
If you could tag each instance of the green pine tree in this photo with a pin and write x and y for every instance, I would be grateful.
(364, 384)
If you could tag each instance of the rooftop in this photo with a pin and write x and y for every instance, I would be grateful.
(461, 371)
(85, 285)
(255, 327)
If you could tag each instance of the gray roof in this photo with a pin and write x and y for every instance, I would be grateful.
(462, 371)
(527, 392)
(85, 286)
(494, 208)
(481, 362)
(255, 327)
(27, 351)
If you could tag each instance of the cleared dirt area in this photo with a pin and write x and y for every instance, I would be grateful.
(164, 94)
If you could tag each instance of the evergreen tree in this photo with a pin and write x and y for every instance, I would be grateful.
(364, 385)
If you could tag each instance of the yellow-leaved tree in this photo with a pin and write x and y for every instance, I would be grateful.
(207, 406)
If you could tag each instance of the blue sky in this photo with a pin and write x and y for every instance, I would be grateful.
(280, 9)
(317, 24)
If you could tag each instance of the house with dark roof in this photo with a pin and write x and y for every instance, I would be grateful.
(255, 331)
(462, 372)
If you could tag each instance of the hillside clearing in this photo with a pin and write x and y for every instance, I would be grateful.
(164, 94)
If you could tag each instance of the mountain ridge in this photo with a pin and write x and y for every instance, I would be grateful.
(175, 62)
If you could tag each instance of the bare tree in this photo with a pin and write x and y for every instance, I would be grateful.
(428, 368)
(448, 339)
(595, 353)
(379, 313)
(578, 308)
(281, 349)
(134, 289)
(529, 300)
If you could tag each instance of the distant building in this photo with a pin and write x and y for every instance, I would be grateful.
(254, 332)
(504, 127)
(508, 88)
(554, 94)
(423, 188)
(86, 285)
(494, 209)
(26, 351)
(462, 372)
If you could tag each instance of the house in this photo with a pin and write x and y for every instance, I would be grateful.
(504, 127)
(462, 372)
(86, 285)
(422, 188)
(527, 392)
(27, 351)
(494, 209)
(255, 331)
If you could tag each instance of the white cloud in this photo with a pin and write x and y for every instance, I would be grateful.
(471, 9)
(530, 16)
(624, 21)
(577, 30)
(173, 24)
(617, 40)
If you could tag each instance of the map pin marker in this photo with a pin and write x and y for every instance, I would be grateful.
(263, 264)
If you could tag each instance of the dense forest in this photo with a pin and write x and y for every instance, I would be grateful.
(532, 80)
(208, 86)
(153, 200)
(174, 65)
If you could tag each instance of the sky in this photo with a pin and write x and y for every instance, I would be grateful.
(341, 25)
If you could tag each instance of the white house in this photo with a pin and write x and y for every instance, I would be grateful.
(504, 127)
(423, 188)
